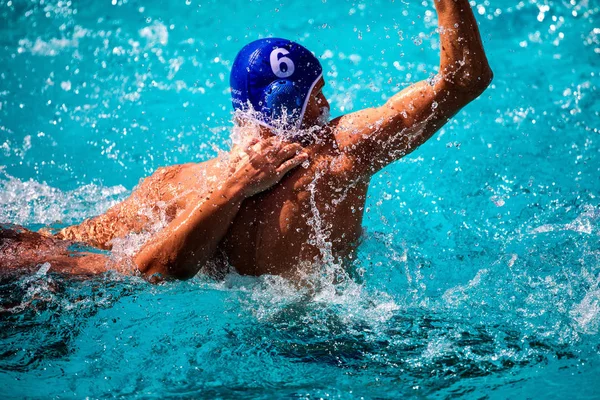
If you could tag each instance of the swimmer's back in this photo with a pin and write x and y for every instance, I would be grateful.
(311, 211)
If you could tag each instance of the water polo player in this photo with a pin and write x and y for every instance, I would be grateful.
(313, 214)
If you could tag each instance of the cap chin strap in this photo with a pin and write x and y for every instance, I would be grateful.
(307, 99)
(261, 123)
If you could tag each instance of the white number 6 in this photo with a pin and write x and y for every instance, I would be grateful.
(277, 62)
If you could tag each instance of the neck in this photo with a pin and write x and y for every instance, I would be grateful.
(315, 135)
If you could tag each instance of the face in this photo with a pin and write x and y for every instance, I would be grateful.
(317, 107)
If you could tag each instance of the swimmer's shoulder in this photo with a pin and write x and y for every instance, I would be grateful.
(174, 172)
(330, 159)
(169, 181)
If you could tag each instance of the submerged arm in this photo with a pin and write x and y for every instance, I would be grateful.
(378, 136)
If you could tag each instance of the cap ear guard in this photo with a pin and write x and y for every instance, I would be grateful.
(282, 104)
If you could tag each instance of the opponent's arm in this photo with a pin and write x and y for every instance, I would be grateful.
(376, 137)
(191, 239)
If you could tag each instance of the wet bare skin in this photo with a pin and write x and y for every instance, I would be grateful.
(194, 205)
(277, 231)
(273, 232)
(161, 195)
(22, 251)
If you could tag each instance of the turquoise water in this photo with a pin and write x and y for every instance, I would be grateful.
(479, 270)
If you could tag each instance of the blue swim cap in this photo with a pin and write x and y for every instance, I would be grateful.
(274, 76)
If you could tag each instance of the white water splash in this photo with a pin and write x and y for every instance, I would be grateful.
(586, 222)
(31, 202)
(461, 293)
(157, 33)
(586, 314)
(54, 46)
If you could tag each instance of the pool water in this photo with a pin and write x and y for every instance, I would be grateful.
(479, 270)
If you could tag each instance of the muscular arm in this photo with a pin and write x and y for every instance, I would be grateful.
(189, 239)
(132, 215)
(179, 249)
(376, 137)
(192, 237)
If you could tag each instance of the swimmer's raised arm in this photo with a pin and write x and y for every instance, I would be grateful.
(191, 239)
(376, 137)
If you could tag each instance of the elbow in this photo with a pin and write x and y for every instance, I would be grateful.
(172, 272)
(477, 83)
(470, 85)
(182, 270)
(157, 269)
(484, 79)
(161, 274)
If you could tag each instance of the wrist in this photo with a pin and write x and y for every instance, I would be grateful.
(236, 189)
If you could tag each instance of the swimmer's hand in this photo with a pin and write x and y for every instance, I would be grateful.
(192, 237)
(260, 164)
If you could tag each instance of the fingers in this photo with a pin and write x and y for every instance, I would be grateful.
(273, 153)
(252, 142)
(262, 147)
(272, 150)
(288, 151)
(248, 147)
(271, 146)
(291, 164)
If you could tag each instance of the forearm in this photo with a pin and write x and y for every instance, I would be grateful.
(463, 62)
(130, 215)
(378, 136)
(97, 231)
(191, 239)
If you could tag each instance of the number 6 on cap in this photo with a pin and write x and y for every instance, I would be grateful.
(277, 62)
